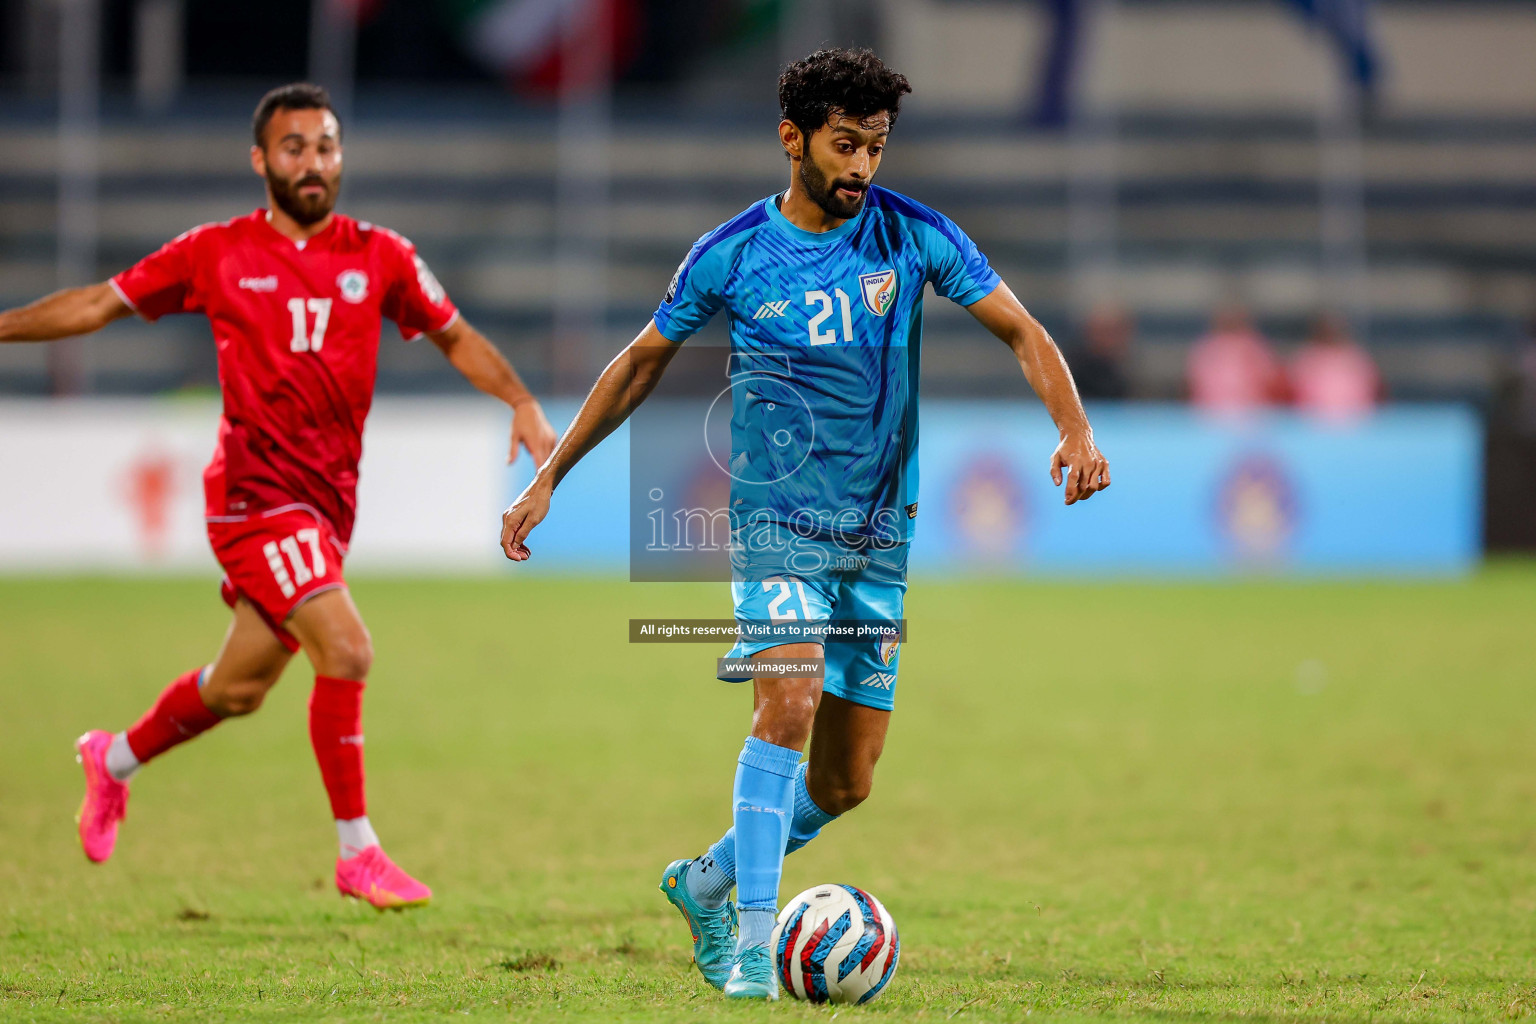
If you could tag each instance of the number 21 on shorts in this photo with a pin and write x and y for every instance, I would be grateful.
(302, 573)
(776, 611)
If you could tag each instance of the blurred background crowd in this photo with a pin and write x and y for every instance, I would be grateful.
(1320, 205)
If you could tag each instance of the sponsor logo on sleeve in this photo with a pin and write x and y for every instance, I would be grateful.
(353, 285)
(879, 291)
(677, 276)
(428, 281)
(259, 284)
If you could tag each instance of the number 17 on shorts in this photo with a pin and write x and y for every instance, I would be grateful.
(301, 574)
(277, 562)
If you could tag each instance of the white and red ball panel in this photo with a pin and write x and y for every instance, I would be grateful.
(835, 943)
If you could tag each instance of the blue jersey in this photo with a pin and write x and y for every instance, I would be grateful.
(826, 330)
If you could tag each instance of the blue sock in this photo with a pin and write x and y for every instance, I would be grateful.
(756, 927)
(762, 805)
(808, 820)
(711, 876)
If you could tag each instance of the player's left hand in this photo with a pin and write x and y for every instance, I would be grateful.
(1087, 471)
(531, 429)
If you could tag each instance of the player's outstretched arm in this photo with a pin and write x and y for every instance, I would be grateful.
(64, 314)
(483, 365)
(619, 390)
(1087, 471)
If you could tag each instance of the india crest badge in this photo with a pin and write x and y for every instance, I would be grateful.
(878, 290)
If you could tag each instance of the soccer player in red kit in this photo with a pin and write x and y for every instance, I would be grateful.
(295, 294)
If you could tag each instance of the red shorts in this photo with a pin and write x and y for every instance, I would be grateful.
(277, 562)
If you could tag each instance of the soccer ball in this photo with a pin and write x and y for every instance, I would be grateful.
(835, 943)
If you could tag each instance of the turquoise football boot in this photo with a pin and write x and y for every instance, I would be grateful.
(713, 931)
(753, 976)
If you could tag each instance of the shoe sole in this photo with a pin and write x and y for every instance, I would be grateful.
(771, 997)
(396, 907)
(402, 905)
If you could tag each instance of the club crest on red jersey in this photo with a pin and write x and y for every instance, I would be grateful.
(879, 291)
(353, 285)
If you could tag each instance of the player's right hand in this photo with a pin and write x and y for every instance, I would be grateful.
(1078, 462)
(521, 517)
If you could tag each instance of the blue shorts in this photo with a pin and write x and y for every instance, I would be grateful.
(857, 594)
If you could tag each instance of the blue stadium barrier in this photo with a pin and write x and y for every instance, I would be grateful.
(1395, 494)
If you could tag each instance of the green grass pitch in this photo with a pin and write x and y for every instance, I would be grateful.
(1266, 801)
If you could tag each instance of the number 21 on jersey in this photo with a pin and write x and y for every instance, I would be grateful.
(304, 339)
(821, 298)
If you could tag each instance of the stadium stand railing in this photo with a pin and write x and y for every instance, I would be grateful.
(1207, 209)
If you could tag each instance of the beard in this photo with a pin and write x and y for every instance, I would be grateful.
(825, 195)
(304, 209)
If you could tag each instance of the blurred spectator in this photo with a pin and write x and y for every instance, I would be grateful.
(1099, 363)
(1232, 368)
(1331, 375)
(1517, 398)
(1510, 457)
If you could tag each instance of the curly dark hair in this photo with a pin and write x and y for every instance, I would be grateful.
(855, 82)
(298, 96)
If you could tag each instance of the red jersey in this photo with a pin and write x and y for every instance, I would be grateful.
(297, 329)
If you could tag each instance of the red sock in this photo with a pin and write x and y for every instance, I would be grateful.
(177, 716)
(336, 730)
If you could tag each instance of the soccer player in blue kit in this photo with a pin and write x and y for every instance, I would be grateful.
(825, 280)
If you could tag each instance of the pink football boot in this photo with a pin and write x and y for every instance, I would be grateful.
(373, 877)
(106, 799)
